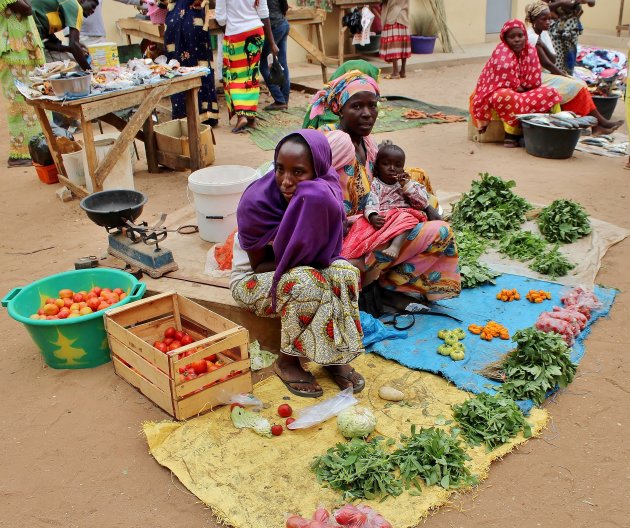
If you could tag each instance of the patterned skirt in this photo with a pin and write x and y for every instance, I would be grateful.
(241, 75)
(395, 42)
(318, 310)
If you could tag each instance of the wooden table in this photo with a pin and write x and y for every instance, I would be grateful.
(297, 16)
(620, 25)
(344, 6)
(102, 107)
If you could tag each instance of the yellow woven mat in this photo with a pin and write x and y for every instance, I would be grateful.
(252, 482)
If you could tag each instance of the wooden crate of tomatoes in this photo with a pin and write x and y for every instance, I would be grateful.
(180, 355)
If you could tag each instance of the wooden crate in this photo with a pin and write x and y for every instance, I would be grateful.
(133, 327)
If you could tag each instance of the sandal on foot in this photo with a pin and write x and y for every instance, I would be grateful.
(510, 143)
(298, 392)
(356, 388)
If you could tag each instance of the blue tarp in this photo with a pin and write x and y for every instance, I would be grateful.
(478, 306)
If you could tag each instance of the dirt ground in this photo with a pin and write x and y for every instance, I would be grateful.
(74, 455)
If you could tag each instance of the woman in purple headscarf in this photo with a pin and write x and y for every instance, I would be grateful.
(287, 264)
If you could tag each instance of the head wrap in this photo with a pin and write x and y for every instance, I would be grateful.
(336, 93)
(534, 10)
(306, 231)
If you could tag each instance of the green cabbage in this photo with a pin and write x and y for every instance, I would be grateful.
(356, 422)
(243, 419)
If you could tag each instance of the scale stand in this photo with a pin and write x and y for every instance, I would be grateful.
(124, 243)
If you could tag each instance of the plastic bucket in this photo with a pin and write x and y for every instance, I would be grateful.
(548, 142)
(121, 175)
(422, 45)
(75, 343)
(606, 105)
(216, 192)
(73, 162)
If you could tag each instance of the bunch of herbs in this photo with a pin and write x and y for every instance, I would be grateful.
(552, 263)
(564, 221)
(490, 208)
(521, 245)
(492, 419)
(540, 363)
(470, 246)
(360, 469)
(434, 456)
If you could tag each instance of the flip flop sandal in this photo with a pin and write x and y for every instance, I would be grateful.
(360, 385)
(510, 143)
(239, 130)
(298, 392)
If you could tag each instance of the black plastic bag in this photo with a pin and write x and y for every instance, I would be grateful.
(370, 300)
(276, 73)
(39, 151)
(352, 21)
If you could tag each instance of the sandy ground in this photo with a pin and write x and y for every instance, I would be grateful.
(73, 453)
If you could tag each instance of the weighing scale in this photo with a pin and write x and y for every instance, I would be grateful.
(137, 244)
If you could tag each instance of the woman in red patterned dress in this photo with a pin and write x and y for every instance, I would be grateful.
(510, 84)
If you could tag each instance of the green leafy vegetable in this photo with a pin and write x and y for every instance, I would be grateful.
(552, 263)
(474, 273)
(564, 221)
(490, 208)
(490, 419)
(434, 456)
(360, 469)
(243, 419)
(521, 245)
(540, 363)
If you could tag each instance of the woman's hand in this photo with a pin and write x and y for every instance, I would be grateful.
(403, 179)
(432, 213)
(21, 7)
(376, 220)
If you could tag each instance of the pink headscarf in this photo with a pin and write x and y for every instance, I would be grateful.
(337, 92)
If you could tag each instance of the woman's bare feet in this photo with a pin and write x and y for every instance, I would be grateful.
(345, 376)
(299, 381)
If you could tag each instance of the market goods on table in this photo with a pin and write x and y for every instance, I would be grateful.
(181, 393)
(564, 221)
(491, 419)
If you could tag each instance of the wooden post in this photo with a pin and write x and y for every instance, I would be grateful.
(90, 152)
(319, 31)
(620, 23)
(342, 37)
(150, 147)
(194, 126)
(51, 140)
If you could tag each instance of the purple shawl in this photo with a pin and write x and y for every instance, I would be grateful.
(308, 230)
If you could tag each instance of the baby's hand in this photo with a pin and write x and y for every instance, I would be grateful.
(403, 179)
(376, 220)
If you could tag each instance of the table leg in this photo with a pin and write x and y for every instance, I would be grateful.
(319, 31)
(194, 126)
(342, 37)
(150, 146)
(90, 153)
(51, 140)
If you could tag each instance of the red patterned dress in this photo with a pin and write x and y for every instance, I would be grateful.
(499, 82)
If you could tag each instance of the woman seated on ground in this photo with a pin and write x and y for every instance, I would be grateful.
(426, 264)
(511, 84)
(287, 264)
(574, 93)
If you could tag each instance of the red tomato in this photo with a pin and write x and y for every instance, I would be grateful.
(170, 332)
(65, 294)
(50, 301)
(67, 302)
(63, 313)
(93, 303)
(186, 340)
(212, 358)
(51, 309)
(123, 295)
(200, 367)
(160, 346)
(212, 367)
(102, 305)
(78, 297)
(174, 345)
(91, 295)
(167, 341)
(276, 430)
(289, 421)
(285, 410)
(96, 290)
(118, 291)
(60, 302)
(236, 405)
(106, 290)
(178, 335)
(40, 312)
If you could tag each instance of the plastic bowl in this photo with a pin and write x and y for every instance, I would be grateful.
(549, 142)
(76, 343)
(112, 208)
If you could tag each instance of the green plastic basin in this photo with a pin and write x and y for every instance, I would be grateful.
(76, 343)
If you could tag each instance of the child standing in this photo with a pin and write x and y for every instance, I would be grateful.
(395, 39)
(394, 206)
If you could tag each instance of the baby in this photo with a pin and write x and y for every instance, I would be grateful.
(392, 188)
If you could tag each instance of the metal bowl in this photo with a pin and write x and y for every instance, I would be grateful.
(74, 84)
(114, 207)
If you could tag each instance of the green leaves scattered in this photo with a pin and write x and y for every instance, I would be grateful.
(521, 245)
(552, 263)
(360, 469)
(490, 208)
(435, 456)
(564, 221)
(540, 363)
(470, 247)
(490, 419)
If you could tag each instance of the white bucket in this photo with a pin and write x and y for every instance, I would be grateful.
(121, 175)
(217, 191)
(73, 162)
